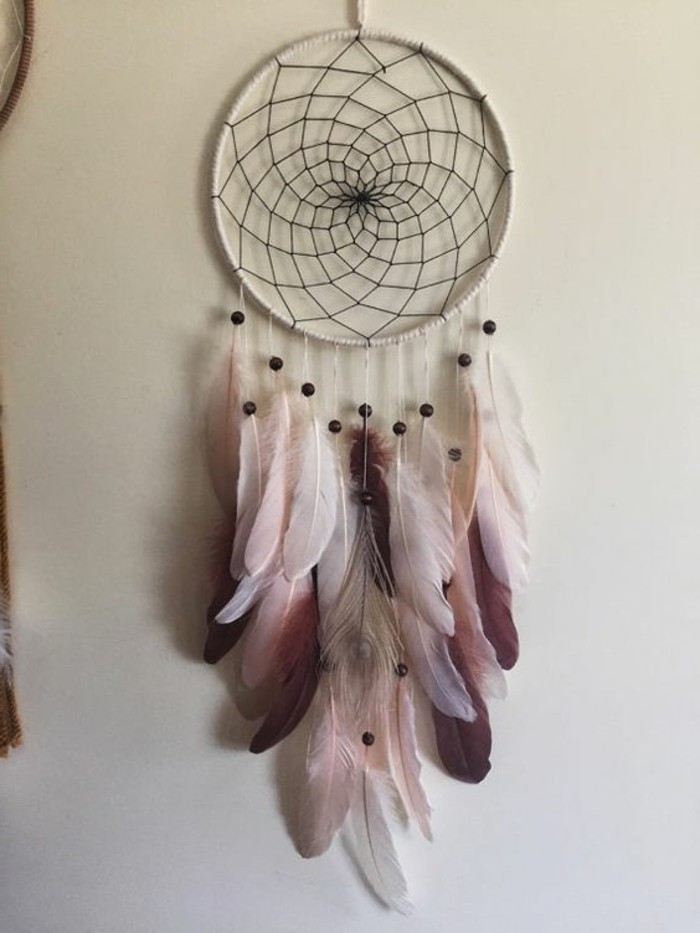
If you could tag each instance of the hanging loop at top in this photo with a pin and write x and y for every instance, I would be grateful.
(362, 13)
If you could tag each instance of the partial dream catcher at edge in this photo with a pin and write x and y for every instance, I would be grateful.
(16, 36)
(362, 189)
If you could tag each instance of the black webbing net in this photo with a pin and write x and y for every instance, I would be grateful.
(361, 188)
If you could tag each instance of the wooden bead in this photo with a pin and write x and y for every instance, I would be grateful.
(399, 428)
(334, 426)
(308, 389)
(401, 670)
(455, 454)
(237, 317)
(249, 408)
(464, 360)
(426, 410)
(489, 327)
(365, 410)
(276, 363)
(367, 738)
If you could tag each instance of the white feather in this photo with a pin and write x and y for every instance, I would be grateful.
(314, 504)
(432, 465)
(249, 591)
(503, 529)
(374, 846)
(503, 435)
(249, 494)
(267, 532)
(405, 764)
(332, 772)
(420, 549)
(431, 662)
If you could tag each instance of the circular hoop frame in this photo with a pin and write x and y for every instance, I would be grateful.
(240, 100)
(23, 64)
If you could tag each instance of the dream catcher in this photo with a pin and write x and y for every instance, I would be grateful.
(16, 33)
(362, 189)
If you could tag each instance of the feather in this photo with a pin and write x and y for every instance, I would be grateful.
(495, 602)
(464, 747)
(360, 643)
(370, 460)
(276, 611)
(502, 529)
(504, 437)
(296, 669)
(466, 471)
(248, 593)
(221, 638)
(374, 847)
(477, 651)
(249, 492)
(313, 509)
(331, 766)
(420, 549)
(432, 466)
(405, 764)
(429, 655)
(223, 427)
(268, 528)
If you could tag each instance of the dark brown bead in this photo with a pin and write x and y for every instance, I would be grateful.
(426, 410)
(399, 428)
(276, 363)
(249, 408)
(489, 327)
(367, 738)
(401, 670)
(366, 497)
(237, 317)
(455, 454)
(308, 389)
(334, 426)
(464, 360)
(365, 410)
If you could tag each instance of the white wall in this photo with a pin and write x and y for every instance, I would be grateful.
(132, 806)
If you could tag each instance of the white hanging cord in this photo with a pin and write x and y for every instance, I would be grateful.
(366, 419)
(335, 382)
(243, 341)
(362, 12)
(426, 367)
(305, 366)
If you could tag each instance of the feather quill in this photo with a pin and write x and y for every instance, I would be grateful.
(314, 504)
(374, 846)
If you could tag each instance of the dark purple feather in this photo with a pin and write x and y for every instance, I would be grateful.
(297, 673)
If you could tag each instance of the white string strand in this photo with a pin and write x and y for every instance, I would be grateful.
(362, 12)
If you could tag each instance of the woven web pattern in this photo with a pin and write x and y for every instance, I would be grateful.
(11, 31)
(361, 188)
